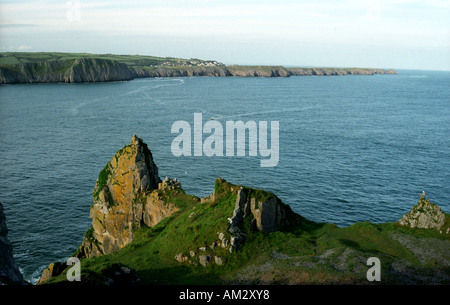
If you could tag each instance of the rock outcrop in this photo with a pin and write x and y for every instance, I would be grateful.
(54, 269)
(9, 271)
(127, 194)
(425, 215)
(267, 211)
(262, 210)
(114, 274)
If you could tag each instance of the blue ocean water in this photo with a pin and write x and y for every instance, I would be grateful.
(352, 148)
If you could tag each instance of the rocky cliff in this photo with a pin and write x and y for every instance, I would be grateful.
(9, 271)
(253, 211)
(267, 214)
(92, 69)
(127, 194)
(66, 71)
(337, 71)
(181, 71)
(259, 71)
(149, 231)
(425, 215)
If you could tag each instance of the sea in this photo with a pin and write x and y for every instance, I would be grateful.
(351, 148)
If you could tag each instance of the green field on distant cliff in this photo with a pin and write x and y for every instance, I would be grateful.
(10, 58)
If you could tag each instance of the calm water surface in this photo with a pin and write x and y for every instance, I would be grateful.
(352, 148)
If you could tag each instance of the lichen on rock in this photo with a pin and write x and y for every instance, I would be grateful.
(125, 197)
(425, 215)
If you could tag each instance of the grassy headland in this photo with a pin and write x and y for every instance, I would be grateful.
(304, 253)
(43, 67)
(155, 233)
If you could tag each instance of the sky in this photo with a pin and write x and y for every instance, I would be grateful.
(398, 34)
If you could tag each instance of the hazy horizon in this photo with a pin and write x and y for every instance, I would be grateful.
(399, 34)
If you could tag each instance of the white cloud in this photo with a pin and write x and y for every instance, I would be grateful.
(13, 48)
(23, 47)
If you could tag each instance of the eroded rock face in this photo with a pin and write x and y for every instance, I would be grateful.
(269, 214)
(424, 215)
(262, 210)
(9, 271)
(259, 71)
(125, 197)
(54, 269)
(67, 71)
(155, 209)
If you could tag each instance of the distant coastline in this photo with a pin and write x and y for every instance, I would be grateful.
(50, 67)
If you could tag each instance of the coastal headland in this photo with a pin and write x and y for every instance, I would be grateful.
(51, 67)
(146, 230)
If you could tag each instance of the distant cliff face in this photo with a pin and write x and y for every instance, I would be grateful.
(90, 69)
(9, 272)
(337, 71)
(66, 71)
(181, 71)
(252, 71)
(259, 71)
(99, 70)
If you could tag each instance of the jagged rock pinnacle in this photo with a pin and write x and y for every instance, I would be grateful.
(124, 199)
(424, 215)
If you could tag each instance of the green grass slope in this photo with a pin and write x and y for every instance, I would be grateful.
(11, 58)
(304, 253)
